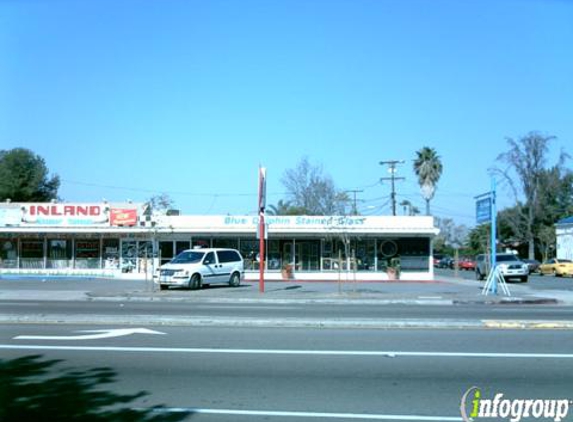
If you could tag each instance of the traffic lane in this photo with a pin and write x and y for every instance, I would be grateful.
(313, 310)
(210, 339)
(343, 383)
(304, 382)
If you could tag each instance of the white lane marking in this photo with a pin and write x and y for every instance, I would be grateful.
(363, 416)
(98, 334)
(232, 307)
(389, 354)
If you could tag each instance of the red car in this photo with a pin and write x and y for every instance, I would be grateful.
(467, 264)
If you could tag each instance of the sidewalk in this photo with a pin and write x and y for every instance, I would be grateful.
(443, 291)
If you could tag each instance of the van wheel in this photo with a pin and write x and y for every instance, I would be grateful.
(162, 287)
(195, 282)
(478, 275)
(235, 280)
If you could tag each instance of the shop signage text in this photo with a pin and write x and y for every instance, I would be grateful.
(58, 210)
(298, 221)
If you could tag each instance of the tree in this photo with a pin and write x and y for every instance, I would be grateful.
(312, 192)
(284, 208)
(527, 177)
(451, 236)
(24, 177)
(160, 203)
(409, 208)
(428, 168)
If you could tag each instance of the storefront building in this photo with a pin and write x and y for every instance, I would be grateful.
(564, 238)
(114, 239)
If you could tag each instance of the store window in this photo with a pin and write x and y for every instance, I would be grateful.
(414, 254)
(249, 248)
(59, 253)
(307, 256)
(274, 261)
(87, 253)
(363, 252)
(181, 246)
(201, 242)
(166, 251)
(32, 254)
(404, 254)
(225, 243)
(128, 256)
(145, 256)
(8, 253)
(111, 254)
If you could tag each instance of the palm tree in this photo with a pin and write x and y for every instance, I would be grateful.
(407, 206)
(428, 168)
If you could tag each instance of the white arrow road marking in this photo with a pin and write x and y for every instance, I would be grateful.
(98, 334)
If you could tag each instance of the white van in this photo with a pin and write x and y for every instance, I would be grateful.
(194, 267)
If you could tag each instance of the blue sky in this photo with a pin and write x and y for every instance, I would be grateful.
(127, 99)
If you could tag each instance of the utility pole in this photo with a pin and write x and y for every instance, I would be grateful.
(392, 170)
(354, 191)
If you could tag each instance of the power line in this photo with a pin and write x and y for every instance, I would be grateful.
(392, 170)
(219, 195)
(354, 191)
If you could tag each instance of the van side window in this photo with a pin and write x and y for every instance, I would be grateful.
(210, 259)
(228, 256)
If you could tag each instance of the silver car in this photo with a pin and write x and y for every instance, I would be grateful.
(509, 265)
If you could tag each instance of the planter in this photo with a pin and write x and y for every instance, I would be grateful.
(286, 272)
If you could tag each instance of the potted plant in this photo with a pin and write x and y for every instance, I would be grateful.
(393, 269)
(286, 271)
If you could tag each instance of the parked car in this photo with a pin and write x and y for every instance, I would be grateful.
(436, 259)
(532, 264)
(446, 262)
(557, 267)
(194, 267)
(510, 267)
(467, 264)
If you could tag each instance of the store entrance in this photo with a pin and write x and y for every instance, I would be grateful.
(306, 254)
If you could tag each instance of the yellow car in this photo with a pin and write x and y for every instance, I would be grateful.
(557, 267)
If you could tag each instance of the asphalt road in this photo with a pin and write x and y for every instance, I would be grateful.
(299, 374)
(535, 281)
(124, 311)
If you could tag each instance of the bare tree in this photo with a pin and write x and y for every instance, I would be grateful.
(313, 192)
(160, 204)
(525, 168)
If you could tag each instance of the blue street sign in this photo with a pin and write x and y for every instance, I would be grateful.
(483, 210)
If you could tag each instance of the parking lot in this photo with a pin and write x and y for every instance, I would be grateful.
(535, 281)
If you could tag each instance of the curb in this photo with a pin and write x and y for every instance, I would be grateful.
(509, 301)
(383, 324)
(276, 301)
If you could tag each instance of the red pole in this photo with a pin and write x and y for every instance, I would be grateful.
(262, 252)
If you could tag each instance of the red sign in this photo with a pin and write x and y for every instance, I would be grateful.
(123, 217)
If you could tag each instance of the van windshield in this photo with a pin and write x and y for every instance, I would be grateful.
(188, 257)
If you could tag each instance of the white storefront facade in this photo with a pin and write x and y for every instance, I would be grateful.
(564, 238)
(114, 239)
